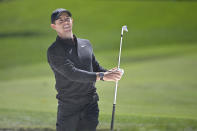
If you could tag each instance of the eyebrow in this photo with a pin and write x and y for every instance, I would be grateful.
(64, 17)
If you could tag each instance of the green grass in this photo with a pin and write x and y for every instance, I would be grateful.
(158, 91)
(149, 23)
(166, 100)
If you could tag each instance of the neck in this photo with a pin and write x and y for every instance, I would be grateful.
(66, 35)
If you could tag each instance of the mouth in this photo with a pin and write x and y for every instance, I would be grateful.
(66, 27)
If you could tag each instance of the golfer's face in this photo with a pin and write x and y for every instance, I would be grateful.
(64, 23)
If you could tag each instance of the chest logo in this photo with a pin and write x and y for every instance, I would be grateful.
(83, 45)
(70, 51)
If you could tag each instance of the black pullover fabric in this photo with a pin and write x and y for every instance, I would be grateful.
(74, 66)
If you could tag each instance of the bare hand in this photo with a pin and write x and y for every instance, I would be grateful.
(113, 74)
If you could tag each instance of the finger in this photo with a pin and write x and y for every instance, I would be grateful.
(116, 77)
(112, 78)
(117, 73)
(121, 70)
(114, 74)
(113, 69)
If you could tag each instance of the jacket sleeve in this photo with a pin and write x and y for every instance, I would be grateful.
(66, 68)
(96, 66)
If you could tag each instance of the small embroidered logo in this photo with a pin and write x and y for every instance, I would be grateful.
(70, 51)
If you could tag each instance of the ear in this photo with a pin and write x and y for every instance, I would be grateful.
(53, 26)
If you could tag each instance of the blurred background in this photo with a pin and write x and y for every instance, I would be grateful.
(159, 55)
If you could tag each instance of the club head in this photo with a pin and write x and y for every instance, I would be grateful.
(125, 28)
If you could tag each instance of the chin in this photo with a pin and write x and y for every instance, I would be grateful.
(68, 31)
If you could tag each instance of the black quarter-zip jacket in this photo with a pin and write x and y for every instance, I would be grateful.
(74, 66)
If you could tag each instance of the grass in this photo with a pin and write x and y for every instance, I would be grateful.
(166, 100)
(158, 89)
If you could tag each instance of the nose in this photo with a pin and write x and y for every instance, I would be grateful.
(65, 22)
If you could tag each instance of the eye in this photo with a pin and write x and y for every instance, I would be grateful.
(60, 21)
(67, 19)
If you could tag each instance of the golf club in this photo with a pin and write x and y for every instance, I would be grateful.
(124, 28)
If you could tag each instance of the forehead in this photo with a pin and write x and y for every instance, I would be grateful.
(63, 15)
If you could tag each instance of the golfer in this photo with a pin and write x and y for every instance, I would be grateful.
(76, 70)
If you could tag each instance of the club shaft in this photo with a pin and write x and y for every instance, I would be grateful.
(116, 88)
(118, 67)
(120, 49)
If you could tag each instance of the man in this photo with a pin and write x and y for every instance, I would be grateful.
(76, 71)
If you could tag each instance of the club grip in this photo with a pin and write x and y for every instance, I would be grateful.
(112, 120)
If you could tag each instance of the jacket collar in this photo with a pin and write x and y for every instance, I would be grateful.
(67, 42)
